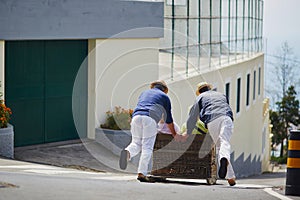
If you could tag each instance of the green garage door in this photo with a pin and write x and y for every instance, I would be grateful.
(39, 78)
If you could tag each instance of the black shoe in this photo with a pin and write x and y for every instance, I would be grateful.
(123, 159)
(147, 179)
(223, 168)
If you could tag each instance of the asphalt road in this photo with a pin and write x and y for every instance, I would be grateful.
(24, 180)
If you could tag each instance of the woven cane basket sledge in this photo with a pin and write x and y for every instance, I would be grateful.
(185, 160)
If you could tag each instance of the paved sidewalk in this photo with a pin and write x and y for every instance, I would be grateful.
(74, 154)
(83, 154)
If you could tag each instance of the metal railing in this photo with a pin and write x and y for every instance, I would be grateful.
(200, 34)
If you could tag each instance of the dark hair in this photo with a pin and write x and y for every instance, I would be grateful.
(159, 86)
(204, 89)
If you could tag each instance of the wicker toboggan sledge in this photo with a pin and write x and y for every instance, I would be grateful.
(193, 159)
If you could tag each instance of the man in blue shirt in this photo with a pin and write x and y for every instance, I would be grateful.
(214, 111)
(153, 105)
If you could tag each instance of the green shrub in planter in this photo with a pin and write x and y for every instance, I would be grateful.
(119, 119)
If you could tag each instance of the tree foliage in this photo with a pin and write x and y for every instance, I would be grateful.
(287, 114)
(277, 128)
(289, 107)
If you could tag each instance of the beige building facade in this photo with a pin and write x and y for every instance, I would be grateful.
(201, 42)
(250, 140)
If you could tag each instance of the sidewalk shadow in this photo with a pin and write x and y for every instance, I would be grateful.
(270, 175)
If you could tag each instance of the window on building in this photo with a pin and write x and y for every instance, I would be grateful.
(248, 90)
(254, 85)
(227, 90)
(238, 95)
(259, 81)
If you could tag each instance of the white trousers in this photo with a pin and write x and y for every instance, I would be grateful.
(143, 130)
(220, 130)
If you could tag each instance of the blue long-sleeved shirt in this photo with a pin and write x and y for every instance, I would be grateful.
(155, 104)
(209, 105)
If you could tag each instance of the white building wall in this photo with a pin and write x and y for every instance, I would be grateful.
(119, 69)
(266, 148)
(250, 140)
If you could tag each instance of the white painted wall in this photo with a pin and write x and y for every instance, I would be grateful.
(2, 65)
(250, 124)
(266, 150)
(119, 69)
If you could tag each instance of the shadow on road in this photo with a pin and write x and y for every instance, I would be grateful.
(269, 175)
(157, 179)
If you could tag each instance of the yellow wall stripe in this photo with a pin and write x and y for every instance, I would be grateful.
(294, 144)
(293, 162)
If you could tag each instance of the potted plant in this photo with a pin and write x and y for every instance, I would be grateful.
(119, 119)
(114, 133)
(6, 130)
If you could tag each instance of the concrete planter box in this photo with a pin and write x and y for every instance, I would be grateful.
(113, 140)
(7, 141)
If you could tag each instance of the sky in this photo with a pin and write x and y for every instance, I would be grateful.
(281, 23)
